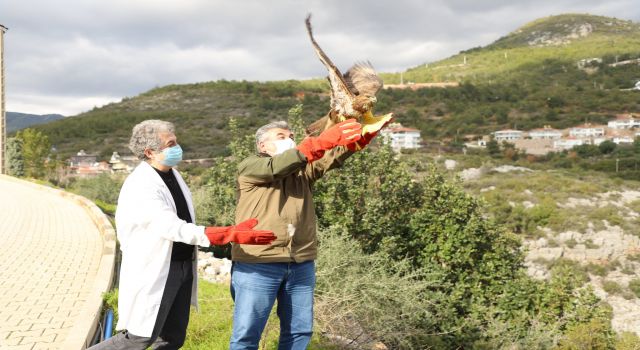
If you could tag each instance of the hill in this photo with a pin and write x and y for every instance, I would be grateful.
(566, 38)
(559, 71)
(17, 121)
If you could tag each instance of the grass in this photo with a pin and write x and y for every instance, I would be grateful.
(210, 328)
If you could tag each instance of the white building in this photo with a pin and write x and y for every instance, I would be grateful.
(622, 139)
(587, 130)
(401, 137)
(507, 135)
(624, 122)
(568, 143)
(546, 133)
(123, 164)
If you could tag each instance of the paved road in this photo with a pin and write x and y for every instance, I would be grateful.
(50, 251)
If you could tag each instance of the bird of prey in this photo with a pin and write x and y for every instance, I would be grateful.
(353, 94)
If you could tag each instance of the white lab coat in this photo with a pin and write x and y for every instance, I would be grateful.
(147, 225)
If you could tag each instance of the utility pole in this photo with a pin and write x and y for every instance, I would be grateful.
(3, 119)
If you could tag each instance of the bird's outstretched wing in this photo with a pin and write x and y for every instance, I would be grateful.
(341, 97)
(362, 79)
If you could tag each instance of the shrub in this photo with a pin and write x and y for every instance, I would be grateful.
(570, 242)
(595, 334)
(634, 286)
(104, 188)
(627, 341)
(355, 301)
(611, 287)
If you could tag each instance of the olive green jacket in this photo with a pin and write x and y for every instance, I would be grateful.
(277, 191)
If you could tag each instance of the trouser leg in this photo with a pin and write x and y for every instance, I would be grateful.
(254, 289)
(123, 340)
(295, 306)
(171, 335)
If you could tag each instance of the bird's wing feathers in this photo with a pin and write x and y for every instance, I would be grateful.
(362, 79)
(341, 97)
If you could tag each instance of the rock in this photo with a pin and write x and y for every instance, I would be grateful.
(487, 189)
(471, 174)
(213, 269)
(510, 168)
(450, 164)
(546, 253)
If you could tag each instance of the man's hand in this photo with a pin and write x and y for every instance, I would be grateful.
(242, 233)
(366, 138)
(362, 143)
(340, 134)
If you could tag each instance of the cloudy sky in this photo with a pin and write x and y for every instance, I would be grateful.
(67, 56)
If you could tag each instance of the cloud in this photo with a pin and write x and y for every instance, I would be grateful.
(68, 56)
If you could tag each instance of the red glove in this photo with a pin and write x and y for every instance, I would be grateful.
(340, 134)
(362, 143)
(242, 233)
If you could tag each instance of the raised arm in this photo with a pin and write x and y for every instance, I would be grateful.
(262, 169)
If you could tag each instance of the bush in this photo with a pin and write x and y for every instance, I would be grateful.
(594, 335)
(355, 301)
(611, 287)
(634, 286)
(627, 341)
(104, 188)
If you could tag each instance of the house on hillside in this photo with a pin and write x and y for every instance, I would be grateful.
(123, 164)
(568, 143)
(82, 159)
(624, 121)
(86, 165)
(401, 137)
(507, 135)
(587, 130)
(545, 133)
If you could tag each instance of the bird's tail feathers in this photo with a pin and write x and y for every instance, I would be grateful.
(315, 128)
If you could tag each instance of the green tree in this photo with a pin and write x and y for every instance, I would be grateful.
(296, 124)
(493, 148)
(35, 150)
(15, 159)
(607, 147)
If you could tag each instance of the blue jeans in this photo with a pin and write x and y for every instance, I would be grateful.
(254, 289)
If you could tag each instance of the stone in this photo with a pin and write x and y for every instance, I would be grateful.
(450, 164)
(471, 174)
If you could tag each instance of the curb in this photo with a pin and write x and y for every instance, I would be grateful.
(82, 331)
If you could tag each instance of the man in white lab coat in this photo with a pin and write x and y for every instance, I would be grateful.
(159, 242)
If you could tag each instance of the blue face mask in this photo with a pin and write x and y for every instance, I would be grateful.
(172, 156)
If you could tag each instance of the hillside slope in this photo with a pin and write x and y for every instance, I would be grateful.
(17, 121)
(567, 38)
(532, 77)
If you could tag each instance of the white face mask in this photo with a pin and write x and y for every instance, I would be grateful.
(283, 145)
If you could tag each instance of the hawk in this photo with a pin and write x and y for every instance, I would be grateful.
(353, 94)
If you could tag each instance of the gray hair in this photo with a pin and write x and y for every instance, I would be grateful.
(260, 134)
(146, 135)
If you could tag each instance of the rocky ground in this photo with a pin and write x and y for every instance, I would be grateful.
(610, 253)
(213, 269)
(610, 247)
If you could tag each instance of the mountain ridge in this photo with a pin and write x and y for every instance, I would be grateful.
(500, 86)
(17, 120)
